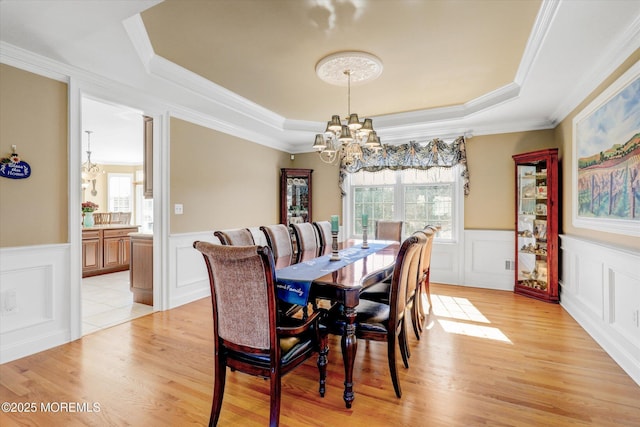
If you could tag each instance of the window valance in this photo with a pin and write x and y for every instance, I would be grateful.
(434, 154)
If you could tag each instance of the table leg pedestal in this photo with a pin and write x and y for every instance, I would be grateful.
(349, 345)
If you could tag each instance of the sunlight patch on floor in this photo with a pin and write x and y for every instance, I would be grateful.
(466, 316)
(469, 329)
(456, 308)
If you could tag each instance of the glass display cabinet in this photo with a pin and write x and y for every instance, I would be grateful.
(295, 195)
(536, 237)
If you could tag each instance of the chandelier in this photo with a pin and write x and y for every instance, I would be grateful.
(90, 171)
(345, 138)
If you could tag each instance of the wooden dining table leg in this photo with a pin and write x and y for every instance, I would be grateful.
(349, 345)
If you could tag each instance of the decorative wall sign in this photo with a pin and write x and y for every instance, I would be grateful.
(13, 167)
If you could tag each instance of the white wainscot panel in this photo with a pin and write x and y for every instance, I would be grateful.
(189, 280)
(588, 286)
(489, 256)
(444, 264)
(26, 297)
(34, 299)
(600, 288)
(624, 292)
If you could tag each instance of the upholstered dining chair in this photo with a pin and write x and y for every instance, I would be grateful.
(306, 238)
(380, 292)
(386, 322)
(324, 233)
(389, 230)
(423, 279)
(278, 239)
(235, 237)
(248, 336)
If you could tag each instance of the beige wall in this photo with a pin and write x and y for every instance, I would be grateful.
(564, 136)
(33, 116)
(222, 181)
(326, 199)
(490, 204)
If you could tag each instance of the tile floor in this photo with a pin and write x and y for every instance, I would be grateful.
(107, 301)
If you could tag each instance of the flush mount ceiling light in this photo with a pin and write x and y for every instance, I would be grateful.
(345, 138)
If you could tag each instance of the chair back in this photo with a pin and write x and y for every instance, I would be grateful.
(324, 232)
(278, 239)
(389, 230)
(235, 237)
(415, 268)
(407, 261)
(425, 262)
(258, 236)
(100, 218)
(243, 294)
(306, 239)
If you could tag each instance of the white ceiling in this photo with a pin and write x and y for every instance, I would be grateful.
(247, 67)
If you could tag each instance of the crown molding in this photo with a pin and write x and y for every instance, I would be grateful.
(617, 52)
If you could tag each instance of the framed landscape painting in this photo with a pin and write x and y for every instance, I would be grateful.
(606, 163)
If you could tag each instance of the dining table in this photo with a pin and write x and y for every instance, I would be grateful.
(340, 281)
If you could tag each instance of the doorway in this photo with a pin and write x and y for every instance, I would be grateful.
(113, 143)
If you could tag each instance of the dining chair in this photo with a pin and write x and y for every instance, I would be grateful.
(306, 238)
(389, 230)
(423, 278)
(101, 218)
(235, 237)
(324, 233)
(278, 239)
(380, 291)
(248, 335)
(386, 322)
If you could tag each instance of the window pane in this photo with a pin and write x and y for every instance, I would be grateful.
(377, 202)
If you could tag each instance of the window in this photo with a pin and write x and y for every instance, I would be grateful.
(120, 191)
(417, 197)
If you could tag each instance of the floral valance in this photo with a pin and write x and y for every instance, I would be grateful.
(434, 154)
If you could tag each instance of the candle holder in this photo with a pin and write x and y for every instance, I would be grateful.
(334, 247)
(365, 244)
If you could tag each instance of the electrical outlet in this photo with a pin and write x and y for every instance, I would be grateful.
(8, 302)
(178, 209)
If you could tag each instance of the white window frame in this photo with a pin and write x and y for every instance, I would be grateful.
(131, 190)
(457, 215)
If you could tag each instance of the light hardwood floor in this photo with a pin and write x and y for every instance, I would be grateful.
(487, 358)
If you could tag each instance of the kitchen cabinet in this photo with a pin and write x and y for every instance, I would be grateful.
(91, 251)
(116, 248)
(295, 196)
(141, 271)
(536, 225)
(105, 249)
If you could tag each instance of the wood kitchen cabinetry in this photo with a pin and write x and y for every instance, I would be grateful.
(141, 271)
(105, 249)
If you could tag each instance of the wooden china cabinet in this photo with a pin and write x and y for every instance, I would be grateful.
(295, 195)
(536, 237)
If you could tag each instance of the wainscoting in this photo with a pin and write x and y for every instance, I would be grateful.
(35, 295)
(600, 288)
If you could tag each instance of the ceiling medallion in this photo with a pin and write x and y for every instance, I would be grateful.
(363, 67)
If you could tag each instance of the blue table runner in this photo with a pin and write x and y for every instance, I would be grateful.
(294, 282)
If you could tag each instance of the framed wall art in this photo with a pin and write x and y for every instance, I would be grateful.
(606, 159)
